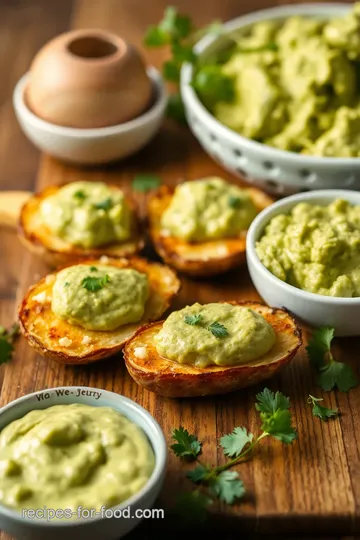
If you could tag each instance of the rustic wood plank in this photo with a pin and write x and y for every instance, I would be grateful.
(312, 486)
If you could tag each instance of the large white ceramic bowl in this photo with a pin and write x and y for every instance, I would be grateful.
(92, 146)
(277, 171)
(341, 313)
(97, 528)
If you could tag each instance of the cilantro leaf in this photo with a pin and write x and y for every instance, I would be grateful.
(234, 202)
(175, 108)
(320, 411)
(192, 507)
(7, 338)
(193, 319)
(197, 474)
(234, 443)
(275, 415)
(176, 25)
(227, 486)
(93, 269)
(268, 402)
(186, 445)
(319, 345)
(81, 195)
(145, 182)
(218, 330)
(171, 71)
(156, 37)
(336, 374)
(94, 284)
(106, 204)
(212, 86)
(183, 53)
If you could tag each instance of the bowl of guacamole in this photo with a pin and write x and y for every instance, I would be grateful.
(291, 120)
(72, 459)
(303, 255)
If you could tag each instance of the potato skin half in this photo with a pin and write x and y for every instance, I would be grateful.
(55, 251)
(197, 259)
(170, 379)
(43, 329)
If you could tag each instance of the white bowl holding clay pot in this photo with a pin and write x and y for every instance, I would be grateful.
(96, 528)
(92, 145)
(317, 310)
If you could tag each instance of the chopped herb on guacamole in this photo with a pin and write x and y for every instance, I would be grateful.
(218, 330)
(94, 284)
(234, 202)
(106, 204)
(79, 194)
(93, 269)
(193, 319)
(66, 284)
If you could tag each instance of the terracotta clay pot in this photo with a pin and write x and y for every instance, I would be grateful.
(88, 79)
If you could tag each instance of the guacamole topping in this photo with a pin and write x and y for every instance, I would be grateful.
(74, 455)
(315, 248)
(220, 334)
(297, 86)
(100, 297)
(87, 214)
(207, 209)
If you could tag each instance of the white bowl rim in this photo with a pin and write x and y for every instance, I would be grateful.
(263, 218)
(235, 138)
(160, 457)
(149, 116)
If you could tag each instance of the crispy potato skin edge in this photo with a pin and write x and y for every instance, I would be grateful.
(206, 383)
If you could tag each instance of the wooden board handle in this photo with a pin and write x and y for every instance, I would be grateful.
(10, 206)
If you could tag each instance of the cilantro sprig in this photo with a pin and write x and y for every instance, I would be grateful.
(94, 284)
(324, 413)
(106, 204)
(178, 32)
(7, 339)
(331, 374)
(145, 182)
(217, 329)
(220, 482)
(193, 320)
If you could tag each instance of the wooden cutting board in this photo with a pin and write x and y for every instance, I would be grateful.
(312, 486)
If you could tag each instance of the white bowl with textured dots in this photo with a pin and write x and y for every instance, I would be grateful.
(277, 171)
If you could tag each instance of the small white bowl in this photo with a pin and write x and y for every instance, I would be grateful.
(92, 146)
(97, 528)
(274, 170)
(341, 313)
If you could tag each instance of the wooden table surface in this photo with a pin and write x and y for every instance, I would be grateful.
(310, 487)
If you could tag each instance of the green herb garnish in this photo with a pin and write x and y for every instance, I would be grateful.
(218, 330)
(234, 202)
(331, 374)
(217, 481)
(7, 338)
(66, 284)
(106, 204)
(319, 410)
(93, 269)
(212, 86)
(81, 195)
(193, 319)
(94, 284)
(145, 182)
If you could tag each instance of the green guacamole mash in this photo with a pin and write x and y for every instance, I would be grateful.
(187, 336)
(87, 214)
(315, 248)
(297, 85)
(99, 297)
(74, 455)
(207, 209)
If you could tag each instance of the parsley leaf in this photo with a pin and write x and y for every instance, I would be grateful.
(176, 25)
(331, 374)
(94, 284)
(186, 445)
(218, 330)
(7, 338)
(145, 182)
(93, 269)
(199, 473)
(212, 86)
(275, 415)
(193, 506)
(106, 204)
(234, 443)
(81, 195)
(193, 319)
(156, 37)
(234, 202)
(320, 411)
(228, 486)
(171, 71)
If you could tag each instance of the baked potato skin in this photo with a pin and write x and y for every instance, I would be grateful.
(197, 259)
(43, 329)
(170, 379)
(53, 250)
